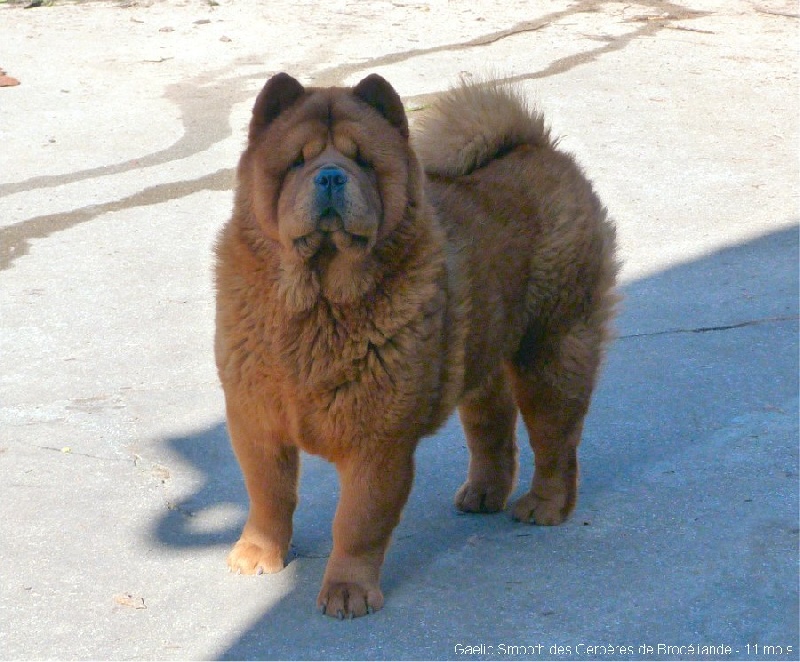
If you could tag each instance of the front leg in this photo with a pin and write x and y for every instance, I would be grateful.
(270, 470)
(374, 490)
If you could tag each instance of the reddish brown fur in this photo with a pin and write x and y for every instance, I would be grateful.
(487, 284)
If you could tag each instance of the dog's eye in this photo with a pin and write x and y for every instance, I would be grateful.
(361, 161)
(299, 162)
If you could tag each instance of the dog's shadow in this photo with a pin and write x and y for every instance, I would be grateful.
(221, 489)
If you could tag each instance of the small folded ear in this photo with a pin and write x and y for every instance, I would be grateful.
(376, 91)
(279, 93)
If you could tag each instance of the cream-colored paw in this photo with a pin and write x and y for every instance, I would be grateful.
(248, 558)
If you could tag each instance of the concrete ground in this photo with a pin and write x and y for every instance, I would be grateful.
(119, 495)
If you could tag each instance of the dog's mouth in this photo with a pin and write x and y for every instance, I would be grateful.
(330, 238)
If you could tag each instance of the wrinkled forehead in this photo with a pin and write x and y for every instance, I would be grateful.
(330, 108)
(334, 117)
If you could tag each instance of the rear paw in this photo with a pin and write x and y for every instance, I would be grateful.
(473, 497)
(534, 509)
(248, 558)
(349, 599)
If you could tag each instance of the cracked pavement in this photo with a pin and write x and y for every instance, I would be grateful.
(119, 494)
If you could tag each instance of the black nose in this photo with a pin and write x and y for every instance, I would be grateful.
(330, 179)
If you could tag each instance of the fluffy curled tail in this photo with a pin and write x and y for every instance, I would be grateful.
(474, 123)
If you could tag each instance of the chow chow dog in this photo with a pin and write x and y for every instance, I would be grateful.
(370, 281)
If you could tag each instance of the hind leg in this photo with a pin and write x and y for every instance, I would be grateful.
(552, 386)
(489, 417)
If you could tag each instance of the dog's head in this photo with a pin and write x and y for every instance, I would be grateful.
(328, 173)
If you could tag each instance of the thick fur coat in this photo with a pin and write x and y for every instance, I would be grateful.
(370, 282)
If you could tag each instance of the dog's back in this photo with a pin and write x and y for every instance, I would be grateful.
(536, 241)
